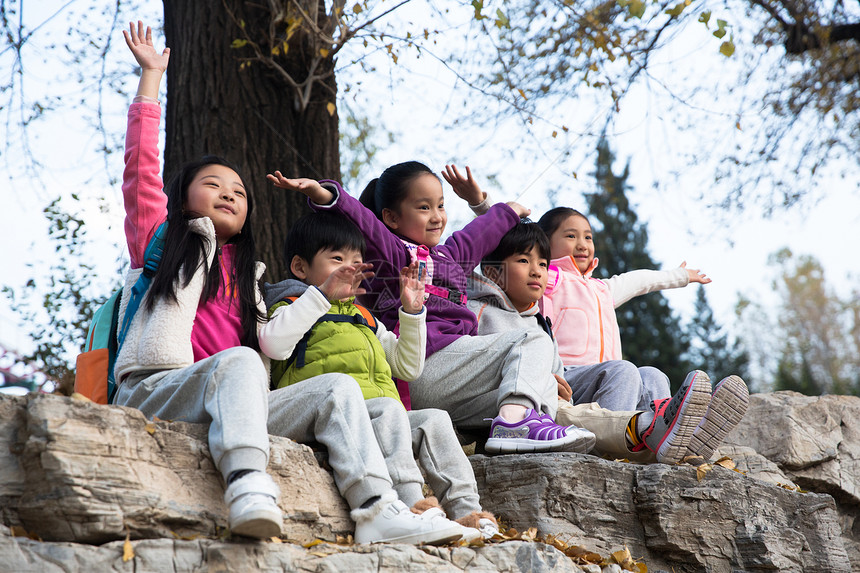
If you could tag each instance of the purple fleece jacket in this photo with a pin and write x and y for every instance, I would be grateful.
(453, 261)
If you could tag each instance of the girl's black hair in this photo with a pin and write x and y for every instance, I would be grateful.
(389, 189)
(552, 219)
(184, 253)
(314, 232)
(522, 238)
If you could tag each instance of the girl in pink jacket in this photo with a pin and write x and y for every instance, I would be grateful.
(582, 311)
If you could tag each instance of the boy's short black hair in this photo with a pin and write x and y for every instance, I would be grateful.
(522, 238)
(314, 232)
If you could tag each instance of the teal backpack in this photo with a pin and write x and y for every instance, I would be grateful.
(94, 376)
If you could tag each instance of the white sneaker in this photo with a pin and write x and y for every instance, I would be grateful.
(253, 511)
(397, 524)
(488, 528)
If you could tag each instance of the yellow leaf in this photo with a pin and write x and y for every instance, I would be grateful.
(357, 8)
(738, 127)
(127, 549)
(80, 397)
(312, 543)
(522, 94)
(702, 471)
(727, 48)
(726, 462)
(275, 540)
(555, 133)
(394, 58)
(238, 43)
(150, 428)
(331, 108)
(324, 52)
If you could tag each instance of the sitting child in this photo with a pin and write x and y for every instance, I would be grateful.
(506, 298)
(316, 328)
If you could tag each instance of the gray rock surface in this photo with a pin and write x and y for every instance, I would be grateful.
(81, 477)
(815, 442)
(75, 471)
(664, 515)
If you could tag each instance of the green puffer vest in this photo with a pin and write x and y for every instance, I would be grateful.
(340, 347)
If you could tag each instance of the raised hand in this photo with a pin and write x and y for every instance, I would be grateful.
(139, 41)
(308, 187)
(519, 209)
(695, 275)
(466, 187)
(344, 282)
(411, 289)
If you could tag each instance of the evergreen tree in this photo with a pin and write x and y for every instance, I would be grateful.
(788, 378)
(651, 335)
(710, 349)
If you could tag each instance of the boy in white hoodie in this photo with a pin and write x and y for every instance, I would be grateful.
(506, 298)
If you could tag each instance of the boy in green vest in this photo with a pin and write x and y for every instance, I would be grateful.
(315, 326)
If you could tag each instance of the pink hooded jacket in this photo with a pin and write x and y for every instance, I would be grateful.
(582, 308)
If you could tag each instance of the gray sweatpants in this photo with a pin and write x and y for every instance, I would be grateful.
(433, 441)
(229, 390)
(617, 385)
(474, 376)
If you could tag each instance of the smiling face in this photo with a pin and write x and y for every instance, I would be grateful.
(522, 276)
(574, 238)
(421, 216)
(323, 264)
(217, 192)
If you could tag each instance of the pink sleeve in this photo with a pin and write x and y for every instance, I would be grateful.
(142, 187)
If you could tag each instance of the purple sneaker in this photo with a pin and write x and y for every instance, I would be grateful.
(536, 433)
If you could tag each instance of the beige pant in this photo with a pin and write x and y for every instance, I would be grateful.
(610, 427)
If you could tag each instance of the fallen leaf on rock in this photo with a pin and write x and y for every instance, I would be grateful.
(80, 397)
(726, 462)
(702, 471)
(18, 531)
(310, 544)
(127, 549)
(150, 427)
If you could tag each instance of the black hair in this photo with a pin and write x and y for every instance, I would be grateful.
(389, 189)
(184, 253)
(522, 238)
(552, 219)
(314, 232)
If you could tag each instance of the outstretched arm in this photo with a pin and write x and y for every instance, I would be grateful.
(308, 187)
(695, 275)
(152, 64)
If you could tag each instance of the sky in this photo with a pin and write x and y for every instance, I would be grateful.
(420, 109)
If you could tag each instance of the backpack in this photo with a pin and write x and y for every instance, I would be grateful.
(366, 318)
(94, 376)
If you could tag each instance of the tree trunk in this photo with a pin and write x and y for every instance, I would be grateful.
(249, 116)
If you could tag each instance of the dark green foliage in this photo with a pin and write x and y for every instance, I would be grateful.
(651, 334)
(710, 349)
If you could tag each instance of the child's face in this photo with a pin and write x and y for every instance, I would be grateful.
(421, 216)
(523, 278)
(217, 192)
(573, 238)
(323, 264)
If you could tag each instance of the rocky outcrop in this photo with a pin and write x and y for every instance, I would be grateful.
(81, 477)
(815, 442)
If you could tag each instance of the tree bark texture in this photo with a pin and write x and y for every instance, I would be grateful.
(250, 116)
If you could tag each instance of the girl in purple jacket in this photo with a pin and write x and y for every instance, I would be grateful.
(504, 378)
